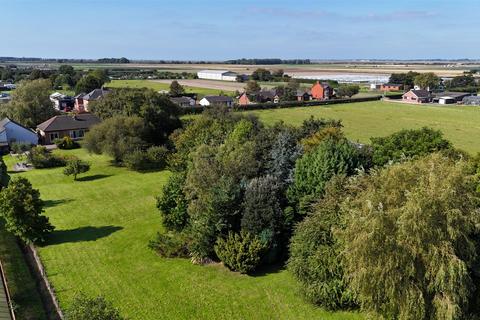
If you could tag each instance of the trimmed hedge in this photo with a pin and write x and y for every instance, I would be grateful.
(287, 104)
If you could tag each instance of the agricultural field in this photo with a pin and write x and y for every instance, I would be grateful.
(104, 222)
(460, 124)
(158, 86)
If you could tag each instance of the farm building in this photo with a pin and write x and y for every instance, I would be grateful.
(213, 100)
(457, 96)
(391, 87)
(321, 91)
(471, 101)
(417, 96)
(183, 102)
(11, 131)
(224, 75)
(303, 95)
(65, 125)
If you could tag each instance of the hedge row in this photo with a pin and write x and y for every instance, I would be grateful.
(288, 104)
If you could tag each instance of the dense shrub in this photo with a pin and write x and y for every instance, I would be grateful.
(316, 168)
(284, 152)
(66, 143)
(171, 245)
(173, 204)
(315, 253)
(85, 308)
(117, 137)
(411, 240)
(408, 144)
(40, 158)
(240, 252)
(154, 158)
(4, 177)
(20, 147)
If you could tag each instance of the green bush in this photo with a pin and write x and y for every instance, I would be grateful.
(170, 245)
(85, 308)
(40, 158)
(154, 158)
(66, 143)
(20, 147)
(240, 252)
(315, 252)
(173, 204)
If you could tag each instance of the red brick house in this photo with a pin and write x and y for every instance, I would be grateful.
(243, 99)
(391, 87)
(74, 126)
(417, 96)
(321, 91)
(82, 100)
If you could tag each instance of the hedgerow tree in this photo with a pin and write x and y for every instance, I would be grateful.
(21, 208)
(315, 252)
(410, 240)
(74, 167)
(116, 137)
(176, 89)
(86, 308)
(407, 143)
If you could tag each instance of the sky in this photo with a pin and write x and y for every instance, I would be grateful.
(219, 30)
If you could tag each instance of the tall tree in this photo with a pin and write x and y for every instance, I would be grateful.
(252, 88)
(21, 207)
(427, 81)
(30, 103)
(176, 89)
(410, 239)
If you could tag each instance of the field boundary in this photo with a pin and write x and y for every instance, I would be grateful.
(47, 292)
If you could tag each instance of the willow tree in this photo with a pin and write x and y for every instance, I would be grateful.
(409, 239)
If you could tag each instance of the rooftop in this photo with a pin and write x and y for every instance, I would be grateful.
(69, 122)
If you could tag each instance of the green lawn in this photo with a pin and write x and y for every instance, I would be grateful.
(460, 124)
(157, 86)
(103, 224)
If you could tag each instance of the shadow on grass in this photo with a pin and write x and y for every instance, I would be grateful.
(82, 234)
(268, 269)
(94, 177)
(54, 203)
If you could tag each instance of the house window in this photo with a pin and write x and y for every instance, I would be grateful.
(75, 134)
(53, 136)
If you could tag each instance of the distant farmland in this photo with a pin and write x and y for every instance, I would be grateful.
(460, 124)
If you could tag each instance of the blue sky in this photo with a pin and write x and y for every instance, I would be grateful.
(215, 30)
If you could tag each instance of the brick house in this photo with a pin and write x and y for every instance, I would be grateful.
(391, 87)
(82, 100)
(321, 91)
(243, 99)
(74, 126)
(417, 96)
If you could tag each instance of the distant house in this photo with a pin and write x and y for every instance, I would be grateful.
(183, 102)
(456, 96)
(82, 100)
(224, 75)
(244, 100)
(303, 95)
(391, 87)
(375, 86)
(66, 125)
(321, 91)
(62, 102)
(417, 96)
(213, 100)
(471, 101)
(11, 131)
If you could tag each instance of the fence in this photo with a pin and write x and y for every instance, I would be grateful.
(7, 292)
(46, 290)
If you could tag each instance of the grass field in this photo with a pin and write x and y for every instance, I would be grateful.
(103, 224)
(460, 124)
(157, 86)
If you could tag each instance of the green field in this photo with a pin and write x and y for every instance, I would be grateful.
(158, 86)
(103, 225)
(460, 124)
